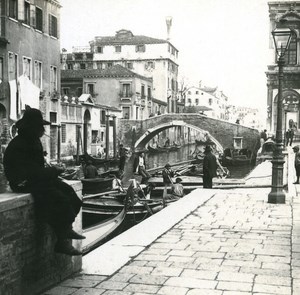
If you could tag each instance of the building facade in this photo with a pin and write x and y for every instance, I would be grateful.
(284, 14)
(30, 62)
(208, 101)
(146, 56)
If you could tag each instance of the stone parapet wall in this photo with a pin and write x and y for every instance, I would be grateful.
(28, 263)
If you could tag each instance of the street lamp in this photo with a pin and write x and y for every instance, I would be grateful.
(282, 38)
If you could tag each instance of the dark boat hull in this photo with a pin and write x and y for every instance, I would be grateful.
(96, 185)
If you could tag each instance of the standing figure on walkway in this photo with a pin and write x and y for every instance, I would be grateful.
(56, 203)
(90, 171)
(297, 163)
(139, 166)
(122, 155)
(263, 137)
(209, 167)
(289, 136)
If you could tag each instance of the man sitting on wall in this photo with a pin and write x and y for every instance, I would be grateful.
(56, 202)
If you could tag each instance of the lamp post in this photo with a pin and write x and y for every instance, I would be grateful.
(282, 38)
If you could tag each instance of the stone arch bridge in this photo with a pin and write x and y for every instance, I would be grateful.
(137, 133)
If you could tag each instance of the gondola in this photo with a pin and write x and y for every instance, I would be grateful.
(266, 151)
(237, 157)
(96, 160)
(99, 233)
(106, 206)
(204, 142)
(163, 149)
(96, 185)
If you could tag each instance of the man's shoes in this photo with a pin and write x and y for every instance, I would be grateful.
(66, 248)
(70, 234)
(297, 182)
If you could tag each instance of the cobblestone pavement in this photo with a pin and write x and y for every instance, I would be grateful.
(236, 243)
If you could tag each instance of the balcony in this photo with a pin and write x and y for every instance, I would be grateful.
(126, 95)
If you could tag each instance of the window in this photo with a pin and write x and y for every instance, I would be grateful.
(126, 112)
(197, 101)
(126, 90)
(99, 49)
(53, 78)
(70, 67)
(143, 91)
(53, 26)
(118, 48)
(12, 66)
(27, 67)
(1, 69)
(63, 133)
(82, 66)
(79, 91)
(53, 117)
(197, 92)
(27, 12)
(90, 89)
(189, 92)
(149, 92)
(38, 74)
(102, 117)
(13, 9)
(78, 56)
(150, 65)
(109, 65)
(210, 101)
(39, 19)
(140, 48)
(291, 54)
(65, 91)
(189, 100)
(129, 65)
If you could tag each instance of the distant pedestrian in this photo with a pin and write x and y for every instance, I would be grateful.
(289, 136)
(122, 155)
(297, 163)
(263, 137)
(90, 171)
(139, 166)
(167, 175)
(209, 167)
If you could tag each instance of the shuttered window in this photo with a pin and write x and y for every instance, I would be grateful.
(63, 133)
(13, 9)
(53, 26)
(39, 19)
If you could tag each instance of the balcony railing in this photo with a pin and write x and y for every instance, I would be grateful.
(125, 95)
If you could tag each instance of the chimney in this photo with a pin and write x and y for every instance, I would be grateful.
(169, 25)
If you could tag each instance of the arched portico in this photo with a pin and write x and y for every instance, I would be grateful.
(152, 132)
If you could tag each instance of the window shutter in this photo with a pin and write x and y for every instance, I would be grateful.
(49, 25)
(21, 10)
(32, 15)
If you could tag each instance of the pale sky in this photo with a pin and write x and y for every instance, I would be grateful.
(224, 43)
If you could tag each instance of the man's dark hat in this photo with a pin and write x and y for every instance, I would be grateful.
(296, 148)
(32, 117)
(207, 149)
(167, 165)
(178, 179)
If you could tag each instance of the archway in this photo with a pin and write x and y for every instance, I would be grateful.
(151, 132)
(86, 124)
(290, 108)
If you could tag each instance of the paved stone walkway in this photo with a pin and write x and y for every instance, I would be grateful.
(234, 244)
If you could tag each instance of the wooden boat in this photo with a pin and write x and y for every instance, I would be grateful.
(266, 151)
(163, 149)
(105, 206)
(96, 160)
(96, 185)
(237, 157)
(204, 142)
(70, 174)
(99, 233)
